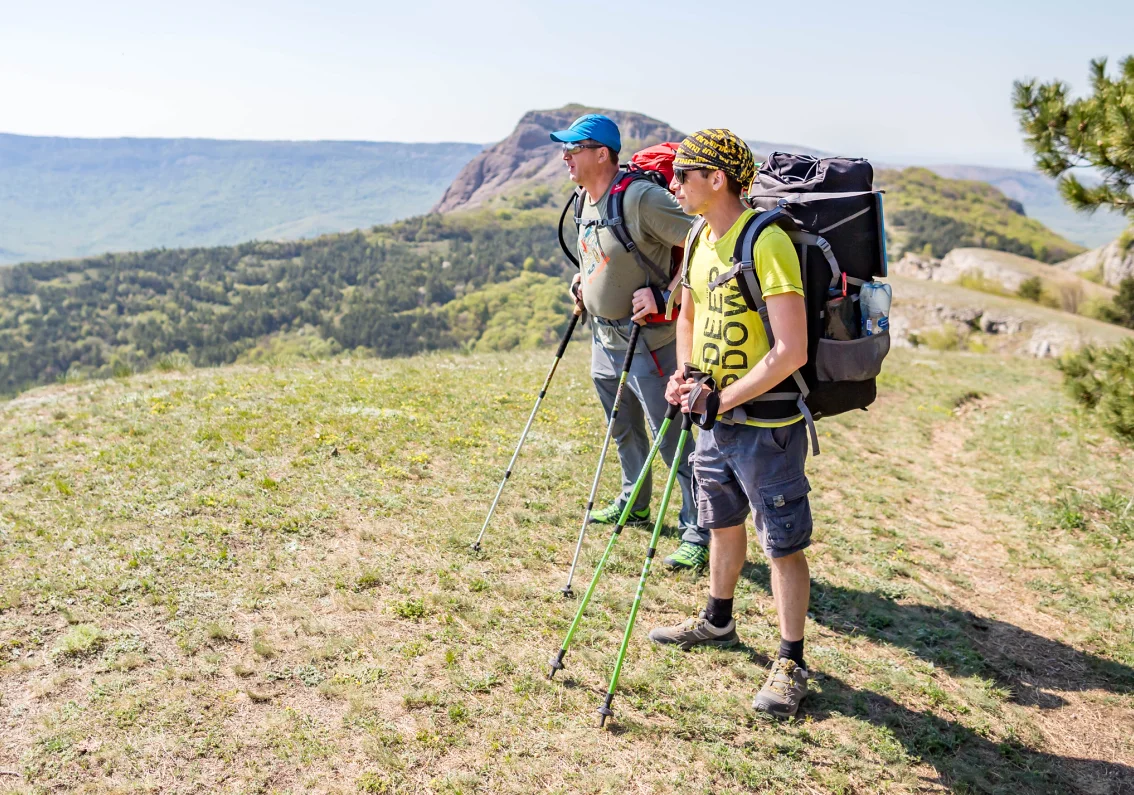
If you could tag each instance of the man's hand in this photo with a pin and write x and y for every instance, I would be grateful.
(644, 305)
(672, 387)
(683, 394)
(577, 291)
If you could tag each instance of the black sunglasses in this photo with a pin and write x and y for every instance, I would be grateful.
(680, 173)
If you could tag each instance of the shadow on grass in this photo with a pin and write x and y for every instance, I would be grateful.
(963, 643)
(964, 760)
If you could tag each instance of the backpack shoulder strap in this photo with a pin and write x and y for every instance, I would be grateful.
(744, 257)
(691, 241)
(616, 222)
(577, 199)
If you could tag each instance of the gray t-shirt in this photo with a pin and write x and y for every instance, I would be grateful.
(611, 274)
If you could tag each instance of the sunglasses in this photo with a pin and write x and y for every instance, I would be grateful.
(575, 148)
(680, 173)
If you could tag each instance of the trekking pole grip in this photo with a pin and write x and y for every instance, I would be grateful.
(686, 421)
(567, 336)
(671, 413)
(630, 346)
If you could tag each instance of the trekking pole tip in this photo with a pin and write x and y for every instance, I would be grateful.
(605, 711)
(556, 663)
(567, 592)
(475, 547)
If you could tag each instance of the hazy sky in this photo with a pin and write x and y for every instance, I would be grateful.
(866, 78)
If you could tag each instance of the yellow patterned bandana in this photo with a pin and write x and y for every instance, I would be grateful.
(717, 149)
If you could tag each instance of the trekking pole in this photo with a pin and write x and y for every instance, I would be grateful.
(557, 661)
(605, 710)
(566, 590)
(531, 417)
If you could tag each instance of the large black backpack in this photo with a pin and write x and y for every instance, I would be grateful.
(833, 215)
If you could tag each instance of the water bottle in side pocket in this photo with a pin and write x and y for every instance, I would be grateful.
(874, 301)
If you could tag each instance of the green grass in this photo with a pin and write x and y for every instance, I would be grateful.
(275, 565)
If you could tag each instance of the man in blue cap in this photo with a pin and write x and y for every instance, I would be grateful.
(616, 287)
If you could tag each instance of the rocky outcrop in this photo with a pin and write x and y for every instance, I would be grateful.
(528, 156)
(916, 266)
(1113, 262)
(1003, 271)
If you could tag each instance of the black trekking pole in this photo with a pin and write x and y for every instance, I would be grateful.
(557, 660)
(566, 590)
(605, 710)
(531, 417)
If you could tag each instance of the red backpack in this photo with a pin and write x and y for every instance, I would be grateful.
(654, 163)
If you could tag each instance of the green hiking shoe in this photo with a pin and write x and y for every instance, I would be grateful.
(688, 556)
(613, 512)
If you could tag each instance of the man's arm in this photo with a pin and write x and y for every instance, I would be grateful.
(684, 347)
(787, 314)
(685, 329)
(659, 216)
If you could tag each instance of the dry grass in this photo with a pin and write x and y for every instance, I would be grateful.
(265, 580)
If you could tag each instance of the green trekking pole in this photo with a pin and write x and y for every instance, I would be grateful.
(531, 417)
(605, 710)
(566, 590)
(557, 661)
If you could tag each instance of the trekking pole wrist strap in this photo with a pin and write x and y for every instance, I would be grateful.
(705, 385)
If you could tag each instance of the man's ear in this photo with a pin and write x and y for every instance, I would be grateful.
(719, 180)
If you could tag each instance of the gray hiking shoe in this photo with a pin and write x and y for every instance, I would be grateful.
(696, 632)
(785, 689)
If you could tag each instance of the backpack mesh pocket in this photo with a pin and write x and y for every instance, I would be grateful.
(851, 360)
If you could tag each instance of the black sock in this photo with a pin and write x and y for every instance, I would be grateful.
(719, 612)
(793, 650)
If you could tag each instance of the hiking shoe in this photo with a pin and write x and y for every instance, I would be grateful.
(696, 632)
(785, 689)
(613, 512)
(688, 556)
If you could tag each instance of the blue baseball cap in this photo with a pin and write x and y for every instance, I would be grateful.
(593, 126)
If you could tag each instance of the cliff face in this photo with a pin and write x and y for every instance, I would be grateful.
(529, 156)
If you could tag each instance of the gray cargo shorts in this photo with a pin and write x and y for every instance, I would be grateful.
(743, 467)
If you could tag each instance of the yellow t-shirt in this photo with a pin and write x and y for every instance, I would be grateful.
(728, 338)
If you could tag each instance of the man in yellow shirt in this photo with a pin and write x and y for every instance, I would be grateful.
(750, 453)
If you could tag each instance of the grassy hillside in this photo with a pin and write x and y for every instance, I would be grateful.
(932, 214)
(258, 580)
(383, 290)
(73, 197)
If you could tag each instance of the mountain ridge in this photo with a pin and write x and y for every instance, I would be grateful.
(64, 198)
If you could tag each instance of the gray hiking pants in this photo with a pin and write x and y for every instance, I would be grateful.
(643, 400)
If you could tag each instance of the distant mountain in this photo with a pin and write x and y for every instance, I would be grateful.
(529, 159)
(1042, 201)
(69, 197)
(930, 214)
